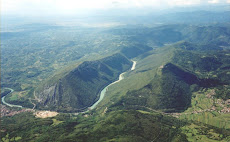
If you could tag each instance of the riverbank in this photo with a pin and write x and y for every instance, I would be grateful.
(8, 104)
(103, 92)
(134, 65)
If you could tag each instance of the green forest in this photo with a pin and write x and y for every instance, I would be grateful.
(166, 80)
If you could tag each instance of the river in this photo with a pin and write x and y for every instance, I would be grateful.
(4, 102)
(102, 94)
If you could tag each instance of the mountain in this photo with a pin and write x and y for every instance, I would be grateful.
(80, 88)
(187, 69)
(209, 36)
(134, 51)
(178, 91)
(199, 16)
(169, 90)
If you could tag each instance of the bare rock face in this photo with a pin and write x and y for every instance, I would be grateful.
(48, 91)
(80, 88)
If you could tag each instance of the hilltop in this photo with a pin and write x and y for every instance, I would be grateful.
(80, 88)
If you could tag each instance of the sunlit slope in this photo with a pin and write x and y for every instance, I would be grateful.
(165, 79)
(169, 90)
(79, 88)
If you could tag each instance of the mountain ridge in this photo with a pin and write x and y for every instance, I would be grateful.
(78, 89)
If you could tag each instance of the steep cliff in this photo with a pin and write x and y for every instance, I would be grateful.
(80, 88)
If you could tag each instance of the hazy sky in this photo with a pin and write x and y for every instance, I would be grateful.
(71, 7)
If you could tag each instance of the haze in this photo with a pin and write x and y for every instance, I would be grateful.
(79, 7)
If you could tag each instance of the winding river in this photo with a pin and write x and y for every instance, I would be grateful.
(102, 94)
(4, 102)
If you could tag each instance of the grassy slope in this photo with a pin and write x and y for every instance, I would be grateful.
(123, 125)
(206, 66)
(114, 122)
(169, 90)
(146, 68)
(201, 102)
(79, 88)
(209, 65)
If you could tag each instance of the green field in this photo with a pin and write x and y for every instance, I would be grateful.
(199, 103)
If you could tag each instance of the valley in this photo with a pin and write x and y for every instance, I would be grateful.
(123, 82)
(103, 92)
(5, 103)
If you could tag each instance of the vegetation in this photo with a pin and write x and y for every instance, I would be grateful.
(5, 92)
(79, 89)
(168, 91)
(114, 126)
(206, 108)
(223, 92)
(179, 90)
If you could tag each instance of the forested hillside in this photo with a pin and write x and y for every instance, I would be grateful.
(156, 77)
(80, 88)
